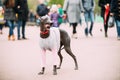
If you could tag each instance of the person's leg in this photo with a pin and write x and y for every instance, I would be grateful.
(10, 28)
(23, 29)
(86, 15)
(18, 29)
(74, 25)
(118, 28)
(92, 22)
(106, 27)
(10, 24)
(1, 26)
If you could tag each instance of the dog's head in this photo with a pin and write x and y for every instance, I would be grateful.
(45, 23)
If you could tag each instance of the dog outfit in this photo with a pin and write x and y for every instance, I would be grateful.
(51, 43)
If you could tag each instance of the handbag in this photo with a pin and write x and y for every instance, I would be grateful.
(111, 21)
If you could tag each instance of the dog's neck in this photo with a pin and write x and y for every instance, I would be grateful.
(44, 34)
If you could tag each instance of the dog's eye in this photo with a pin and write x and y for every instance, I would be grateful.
(47, 23)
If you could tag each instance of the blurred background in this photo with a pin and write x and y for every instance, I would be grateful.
(33, 3)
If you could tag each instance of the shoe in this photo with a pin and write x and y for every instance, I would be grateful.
(1, 32)
(24, 38)
(86, 32)
(13, 37)
(19, 39)
(9, 37)
(106, 35)
(75, 36)
(118, 38)
(91, 33)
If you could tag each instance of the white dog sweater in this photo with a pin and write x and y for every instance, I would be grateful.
(51, 43)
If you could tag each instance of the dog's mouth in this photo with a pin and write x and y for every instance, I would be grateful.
(47, 25)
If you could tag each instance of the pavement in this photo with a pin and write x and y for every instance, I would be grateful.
(98, 57)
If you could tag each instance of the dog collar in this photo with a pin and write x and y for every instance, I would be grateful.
(44, 32)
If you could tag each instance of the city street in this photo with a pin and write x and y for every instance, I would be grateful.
(98, 57)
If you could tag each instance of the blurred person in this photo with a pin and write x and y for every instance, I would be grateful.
(115, 11)
(22, 13)
(31, 16)
(2, 21)
(88, 6)
(9, 15)
(105, 12)
(60, 11)
(55, 16)
(42, 9)
(72, 9)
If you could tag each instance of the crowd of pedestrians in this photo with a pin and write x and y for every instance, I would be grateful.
(17, 11)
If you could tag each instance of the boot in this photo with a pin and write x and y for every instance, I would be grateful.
(54, 70)
(42, 71)
(8, 37)
(106, 34)
(13, 37)
(86, 32)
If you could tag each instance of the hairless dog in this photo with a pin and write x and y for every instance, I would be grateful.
(53, 39)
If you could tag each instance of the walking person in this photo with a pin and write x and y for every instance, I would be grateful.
(105, 6)
(115, 11)
(2, 21)
(54, 15)
(9, 15)
(88, 6)
(22, 11)
(73, 8)
(60, 11)
(42, 9)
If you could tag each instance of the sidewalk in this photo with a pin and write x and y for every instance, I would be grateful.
(98, 57)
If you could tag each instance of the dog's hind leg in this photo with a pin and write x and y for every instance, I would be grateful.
(68, 50)
(60, 56)
(65, 39)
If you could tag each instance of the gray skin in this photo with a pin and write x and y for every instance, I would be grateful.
(64, 44)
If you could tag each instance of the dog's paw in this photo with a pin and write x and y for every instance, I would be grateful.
(76, 68)
(54, 73)
(40, 73)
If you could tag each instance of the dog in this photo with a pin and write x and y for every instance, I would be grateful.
(53, 39)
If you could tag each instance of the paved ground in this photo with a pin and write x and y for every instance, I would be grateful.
(98, 57)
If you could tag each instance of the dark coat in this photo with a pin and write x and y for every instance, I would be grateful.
(115, 8)
(42, 10)
(102, 4)
(23, 10)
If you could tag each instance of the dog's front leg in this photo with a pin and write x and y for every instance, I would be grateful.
(55, 60)
(43, 61)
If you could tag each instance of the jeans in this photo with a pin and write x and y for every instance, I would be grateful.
(21, 23)
(89, 16)
(1, 26)
(11, 27)
(118, 27)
